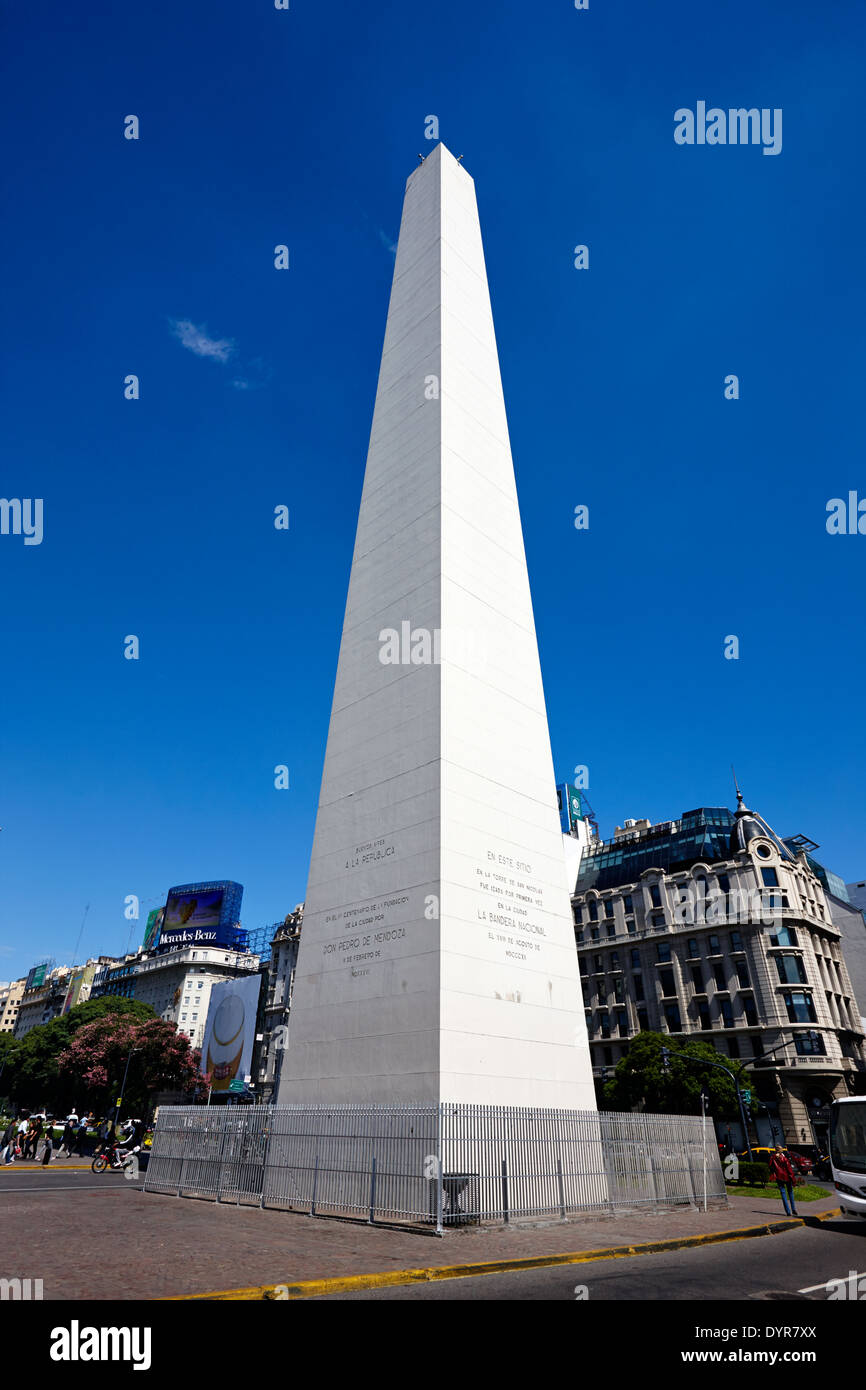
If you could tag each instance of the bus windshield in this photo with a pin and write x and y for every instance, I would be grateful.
(848, 1136)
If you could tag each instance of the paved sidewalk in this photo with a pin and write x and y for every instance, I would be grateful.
(154, 1246)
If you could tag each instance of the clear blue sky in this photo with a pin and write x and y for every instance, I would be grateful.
(261, 127)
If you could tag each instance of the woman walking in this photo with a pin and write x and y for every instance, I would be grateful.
(783, 1172)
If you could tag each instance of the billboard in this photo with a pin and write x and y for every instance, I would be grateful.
(227, 1050)
(151, 931)
(36, 977)
(570, 809)
(79, 978)
(202, 914)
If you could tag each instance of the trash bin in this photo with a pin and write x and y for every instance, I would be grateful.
(459, 1199)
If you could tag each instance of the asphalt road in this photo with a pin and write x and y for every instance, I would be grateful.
(765, 1268)
(32, 1180)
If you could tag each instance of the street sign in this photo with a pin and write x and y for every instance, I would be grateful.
(236, 1085)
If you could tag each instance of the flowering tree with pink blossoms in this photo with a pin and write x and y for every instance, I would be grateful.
(159, 1057)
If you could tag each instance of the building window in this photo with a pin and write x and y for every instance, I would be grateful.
(183, 1018)
(593, 911)
(655, 895)
(694, 948)
(200, 984)
(611, 928)
(637, 986)
(757, 1045)
(770, 877)
(627, 904)
(714, 946)
(785, 936)
(618, 989)
(585, 988)
(666, 979)
(736, 941)
(608, 908)
(658, 920)
(733, 1047)
(698, 979)
(583, 966)
(604, 1024)
(642, 1019)
(800, 1008)
(597, 964)
(727, 1012)
(743, 974)
(672, 1017)
(724, 883)
(578, 936)
(593, 933)
(663, 950)
(704, 1015)
(629, 926)
(622, 1023)
(601, 992)
(578, 914)
(750, 1011)
(614, 960)
(720, 977)
(791, 970)
(810, 1047)
(635, 958)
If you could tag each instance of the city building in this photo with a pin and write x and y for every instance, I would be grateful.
(43, 997)
(177, 983)
(712, 926)
(857, 894)
(273, 1040)
(10, 1002)
(850, 918)
(116, 977)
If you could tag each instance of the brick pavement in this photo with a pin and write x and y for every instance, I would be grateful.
(154, 1246)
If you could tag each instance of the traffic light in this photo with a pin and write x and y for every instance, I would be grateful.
(666, 1060)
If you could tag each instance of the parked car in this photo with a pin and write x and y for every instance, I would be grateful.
(800, 1162)
(763, 1154)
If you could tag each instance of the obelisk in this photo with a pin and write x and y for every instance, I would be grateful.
(437, 960)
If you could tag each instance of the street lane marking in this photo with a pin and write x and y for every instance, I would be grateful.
(76, 1187)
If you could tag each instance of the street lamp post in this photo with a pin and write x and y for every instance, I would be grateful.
(704, 1062)
(123, 1083)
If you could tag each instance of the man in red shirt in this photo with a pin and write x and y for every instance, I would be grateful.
(783, 1172)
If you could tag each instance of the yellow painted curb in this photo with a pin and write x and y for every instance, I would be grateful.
(317, 1288)
(48, 1168)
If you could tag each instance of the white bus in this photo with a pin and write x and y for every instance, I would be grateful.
(848, 1153)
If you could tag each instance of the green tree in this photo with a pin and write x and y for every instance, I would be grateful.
(151, 1054)
(640, 1080)
(34, 1077)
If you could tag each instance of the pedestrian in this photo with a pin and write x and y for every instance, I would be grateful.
(80, 1137)
(7, 1144)
(72, 1117)
(49, 1146)
(21, 1136)
(783, 1173)
(31, 1139)
(67, 1141)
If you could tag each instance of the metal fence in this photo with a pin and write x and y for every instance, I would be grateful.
(441, 1166)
